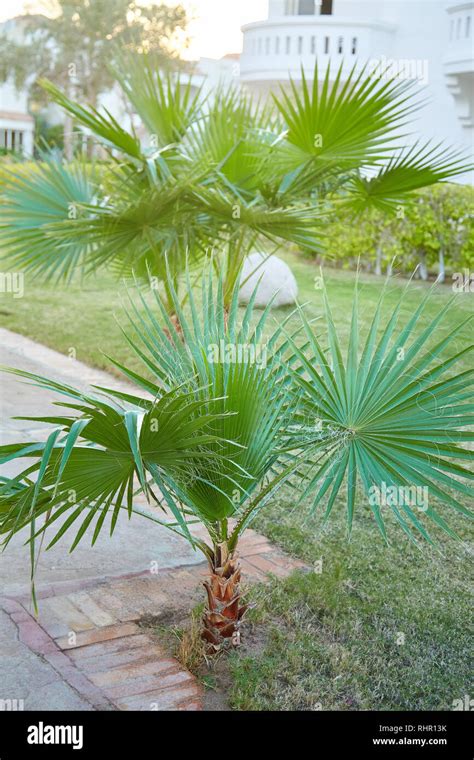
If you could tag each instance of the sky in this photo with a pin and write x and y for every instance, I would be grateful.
(215, 30)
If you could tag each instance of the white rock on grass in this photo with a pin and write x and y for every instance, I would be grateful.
(275, 277)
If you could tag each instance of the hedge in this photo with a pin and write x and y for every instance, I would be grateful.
(435, 231)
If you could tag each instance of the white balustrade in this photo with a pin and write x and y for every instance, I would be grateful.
(277, 48)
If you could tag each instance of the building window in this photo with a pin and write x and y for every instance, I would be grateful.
(288, 45)
(458, 33)
(340, 45)
(468, 26)
(326, 45)
(313, 45)
(259, 49)
(326, 8)
(267, 45)
(306, 8)
(354, 46)
(277, 45)
(300, 45)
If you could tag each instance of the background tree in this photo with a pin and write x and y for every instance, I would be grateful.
(437, 226)
(76, 42)
(435, 231)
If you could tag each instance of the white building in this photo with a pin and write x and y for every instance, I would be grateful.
(16, 124)
(430, 41)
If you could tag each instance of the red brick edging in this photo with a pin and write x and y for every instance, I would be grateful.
(87, 631)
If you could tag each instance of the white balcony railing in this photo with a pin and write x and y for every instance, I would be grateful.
(277, 48)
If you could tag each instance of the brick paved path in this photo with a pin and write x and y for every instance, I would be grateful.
(88, 631)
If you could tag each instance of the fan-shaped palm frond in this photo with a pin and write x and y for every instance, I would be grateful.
(229, 139)
(346, 123)
(299, 224)
(340, 124)
(33, 203)
(217, 355)
(166, 105)
(419, 166)
(103, 125)
(394, 418)
(94, 460)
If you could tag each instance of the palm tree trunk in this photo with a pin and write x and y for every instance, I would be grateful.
(224, 612)
(442, 269)
(423, 269)
(378, 260)
(68, 138)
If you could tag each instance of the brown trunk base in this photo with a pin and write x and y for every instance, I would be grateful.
(224, 612)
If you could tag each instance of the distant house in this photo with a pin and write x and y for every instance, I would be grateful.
(17, 126)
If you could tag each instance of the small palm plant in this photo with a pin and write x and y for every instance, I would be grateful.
(220, 173)
(228, 411)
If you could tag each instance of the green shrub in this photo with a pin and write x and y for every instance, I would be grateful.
(435, 230)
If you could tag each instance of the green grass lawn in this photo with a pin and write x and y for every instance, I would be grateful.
(378, 628)
(84, 316)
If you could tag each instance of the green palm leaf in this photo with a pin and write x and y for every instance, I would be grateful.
(230, 138)
(88, 465)
(167, 106)
(386, 418)
(104, 125)
(203, 354)
(335, 125)
(419, 166)
(34, 203)
(338, 126)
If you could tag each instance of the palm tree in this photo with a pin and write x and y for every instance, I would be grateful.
(227, 175)
(228, 411)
